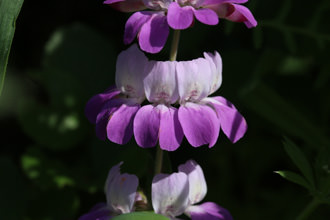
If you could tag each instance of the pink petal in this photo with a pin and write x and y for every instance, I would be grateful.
(215, 2)
(180, 17)
(206, 16)
(208, 211)
(120, 126)
(154, 33)
(170, 131)
(170, 194)
(197, 183)
(146, 126)
(216, 69)
(160, 84)
(121, 191)
(134, 24)
(232, 122)
(199, 123)
(94, 105)
(126, 5)
(194, 79)
(130, 72)
(239, 13)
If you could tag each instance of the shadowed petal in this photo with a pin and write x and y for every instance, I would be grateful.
(104, 116)
(170, 194)
(232, 122)
(208, 211)
(160, 84)
(126, 5)
(242, 14)
(180, 17)
(199, 123)
(215, 2)
(120, 190)
(120, 126)
(95, 104)
(154, 33)
(197, 183)
(130, 72)
(170, 131)
(206, 16)
(146, 126)
(216, 68)
(98, 212)
(134, 24)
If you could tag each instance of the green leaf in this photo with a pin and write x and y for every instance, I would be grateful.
(140, 216)
(299, 160)
(294, 177)
(9, 10)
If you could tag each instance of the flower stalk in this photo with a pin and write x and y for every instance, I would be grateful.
(175, 44)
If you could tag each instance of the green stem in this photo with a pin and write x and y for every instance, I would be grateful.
(173, 53)
(309, 209)
(175, 44)
(158, 161)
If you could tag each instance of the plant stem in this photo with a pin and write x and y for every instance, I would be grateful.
(173, 53)
(158, 161)
(175, 44)
(308, 209)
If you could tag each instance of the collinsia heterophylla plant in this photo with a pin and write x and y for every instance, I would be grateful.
(152, 26)
(118, 114)
(178, 106)
(172, 195)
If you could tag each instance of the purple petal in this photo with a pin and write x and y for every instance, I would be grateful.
(160, 84)
(206, 16)
(170, 194)
(126, 5)
(120, 126)
(199, 123)
(121, 190)
(154, 33)
(241, 14)
(104, 116)
(180, 17)
(197, 183)
(94, 105)
(146, 126)
(130, 72)
(208, 211)
(98, 212)
(170, 131)
(232, 122)
(134, 25)
(216, 2)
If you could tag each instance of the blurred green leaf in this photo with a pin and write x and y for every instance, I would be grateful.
(294, 177)
(140, 216)
(257, 37)
(9, 10)
(263, 100)
(299, 160)
(45, 172)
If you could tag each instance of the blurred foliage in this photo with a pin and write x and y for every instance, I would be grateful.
(277, 75)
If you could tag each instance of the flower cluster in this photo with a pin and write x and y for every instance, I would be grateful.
(118, 112)
(152, 26)
(172, 195)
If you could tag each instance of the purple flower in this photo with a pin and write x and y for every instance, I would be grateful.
(118, 113)
(120, 190)
(113, 111)
(152, 26)
(178, 193)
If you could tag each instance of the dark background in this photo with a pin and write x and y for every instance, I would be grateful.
(52, 165)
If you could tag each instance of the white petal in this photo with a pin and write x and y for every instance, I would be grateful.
(216, 68)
